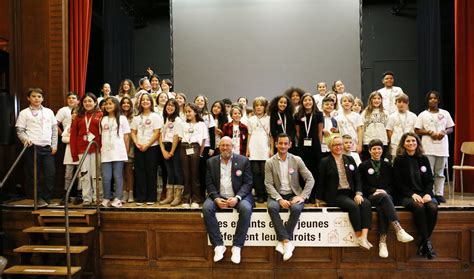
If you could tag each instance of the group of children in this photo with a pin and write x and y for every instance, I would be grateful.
(139, 130)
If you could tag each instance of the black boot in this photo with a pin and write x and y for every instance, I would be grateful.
(78, 199)
(422, 248)
(430, 252)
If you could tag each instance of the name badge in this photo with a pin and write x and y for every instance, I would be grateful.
(90, 137)
(307, 142)
(189, 151)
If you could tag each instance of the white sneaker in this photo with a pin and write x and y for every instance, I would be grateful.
(116, 203)
(219, 253)
(185, 205)
(363, 243)
(105, 203)
(138, 203)
(235, 255)
(150, 203)
(279, 248)
(194, 205)
(403, 236)
(383, 251)
(288, 248)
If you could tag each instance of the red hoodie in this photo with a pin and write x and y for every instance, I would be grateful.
(78, 139)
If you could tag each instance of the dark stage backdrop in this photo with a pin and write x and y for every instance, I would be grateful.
(261, 47)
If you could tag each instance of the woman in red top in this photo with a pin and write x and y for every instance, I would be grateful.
(84, 129)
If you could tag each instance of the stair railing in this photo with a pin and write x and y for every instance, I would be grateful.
(66, 199)
(35, 172)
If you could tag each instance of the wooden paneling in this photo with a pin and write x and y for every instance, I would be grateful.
(40, 50)
(174, 245)
(133, 244)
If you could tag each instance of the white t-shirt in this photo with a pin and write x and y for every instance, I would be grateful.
(437, 122)
(327, 126)
(388, 98)
(38, 125)
(375, 126)
(210, 123)
(399, 124)
(236, 138)
(145, 125)
(113, 144)
(170, 129)
(193, 132)
(64, 116)
(259, 131)
(348, 124)
(65, 137)
(318, 100)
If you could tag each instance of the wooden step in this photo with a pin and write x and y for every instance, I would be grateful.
(41, 270)
(74, 230)
(50, 249)
(60, 213)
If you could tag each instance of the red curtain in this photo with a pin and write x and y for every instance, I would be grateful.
(464, 78)
(80, 13)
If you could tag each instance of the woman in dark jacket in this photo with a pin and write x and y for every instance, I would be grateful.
(340, 185)
(376, 176)
(414, 181)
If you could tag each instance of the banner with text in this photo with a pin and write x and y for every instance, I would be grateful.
(314, 229)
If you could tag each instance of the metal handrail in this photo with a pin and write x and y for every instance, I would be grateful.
(13, 166)
(66, 199)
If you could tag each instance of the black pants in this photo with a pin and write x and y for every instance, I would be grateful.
(203, 171)
(173, 166)
(45, 163)
(386, 212)
(146, 167)
(359, 214)
(425, 216)
(258, 173)
(190, 164)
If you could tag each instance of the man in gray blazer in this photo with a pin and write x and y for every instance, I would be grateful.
(229, 185)
(282, 183)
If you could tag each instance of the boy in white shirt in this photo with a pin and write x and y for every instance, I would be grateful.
(389, 92)
(348, 147)
(400, 122)
(329, 124)
(36, 127)
(434, 124)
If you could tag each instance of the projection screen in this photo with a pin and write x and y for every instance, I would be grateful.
(232, 48)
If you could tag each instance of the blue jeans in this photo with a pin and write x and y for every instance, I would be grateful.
(209, 210)
(45, 161)
(115, 169)
(284, 231)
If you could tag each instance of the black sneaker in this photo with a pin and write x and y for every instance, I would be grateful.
(440, 199)
(78, 200)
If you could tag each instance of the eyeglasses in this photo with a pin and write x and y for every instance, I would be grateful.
(337, 145)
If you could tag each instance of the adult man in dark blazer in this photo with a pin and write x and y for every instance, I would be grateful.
(283, 188)
(229, 185)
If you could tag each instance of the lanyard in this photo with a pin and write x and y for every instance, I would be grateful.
(308, 126)
(263, 127)
(403, 124)
(35, 114)
(435, 117)
(283, 122)
(88, 122)
(190, 131)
